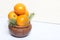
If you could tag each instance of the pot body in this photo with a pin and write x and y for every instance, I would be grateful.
(20, 32)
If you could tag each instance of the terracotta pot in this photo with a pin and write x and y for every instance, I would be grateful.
(20, 31)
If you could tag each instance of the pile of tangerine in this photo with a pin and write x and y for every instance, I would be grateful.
(20, 15)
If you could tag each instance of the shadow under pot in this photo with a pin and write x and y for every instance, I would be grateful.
(20, 32)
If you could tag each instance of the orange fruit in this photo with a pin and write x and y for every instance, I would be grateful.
(12, 15)
(19, 8)
(22, 20)
(26, 13)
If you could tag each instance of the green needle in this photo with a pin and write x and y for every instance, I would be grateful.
(31, 15)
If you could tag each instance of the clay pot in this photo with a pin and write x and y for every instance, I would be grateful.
(19, 31)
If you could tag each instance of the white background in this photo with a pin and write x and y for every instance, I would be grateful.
(45, 11)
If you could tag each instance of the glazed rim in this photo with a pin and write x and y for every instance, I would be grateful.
(20, 26)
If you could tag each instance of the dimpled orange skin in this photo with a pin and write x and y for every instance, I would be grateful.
(12, 15)
(22, 20)
(19, 8)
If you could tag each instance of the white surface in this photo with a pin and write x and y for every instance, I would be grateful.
(45, 10)
(40, 31)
